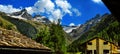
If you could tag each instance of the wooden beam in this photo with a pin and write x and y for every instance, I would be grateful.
(97, 45)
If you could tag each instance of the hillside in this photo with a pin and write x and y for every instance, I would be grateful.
(78, 31)
(27, 28)
(108, 28)
(50, 35)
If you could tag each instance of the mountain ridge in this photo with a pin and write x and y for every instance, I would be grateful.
(24, 15)
(78, 31)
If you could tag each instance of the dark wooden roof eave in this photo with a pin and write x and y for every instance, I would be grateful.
(8, 48)
(99, 38)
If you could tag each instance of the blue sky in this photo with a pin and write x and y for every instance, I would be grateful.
(72, 12)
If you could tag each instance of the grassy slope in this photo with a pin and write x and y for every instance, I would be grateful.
(7, 25)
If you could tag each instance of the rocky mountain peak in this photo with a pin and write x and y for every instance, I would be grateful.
(23, 14)
(24, 10)
(42, 19)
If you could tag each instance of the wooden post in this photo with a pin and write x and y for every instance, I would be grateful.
(97, 45)
(110, 48)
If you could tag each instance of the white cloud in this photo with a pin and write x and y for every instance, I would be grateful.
(54, 10)
(76, 11)
(44, 6)
(41, 6)
(64, 5)
(72, 24)
(8, 8)
(97, 1)
(56, 15)
(29, 10)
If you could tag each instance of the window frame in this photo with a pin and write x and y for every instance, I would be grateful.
(89, 43)
(105, 42)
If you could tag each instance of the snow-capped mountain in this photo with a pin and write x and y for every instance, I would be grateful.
(23, 14)
(76, 33)
(84, 27)
(42, 19)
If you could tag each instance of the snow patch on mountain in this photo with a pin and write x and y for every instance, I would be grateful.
(24, 15)
(69, 29)
(18, 17)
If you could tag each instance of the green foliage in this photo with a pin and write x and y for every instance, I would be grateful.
(58, 38)
(52, 37)
(43, 35)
